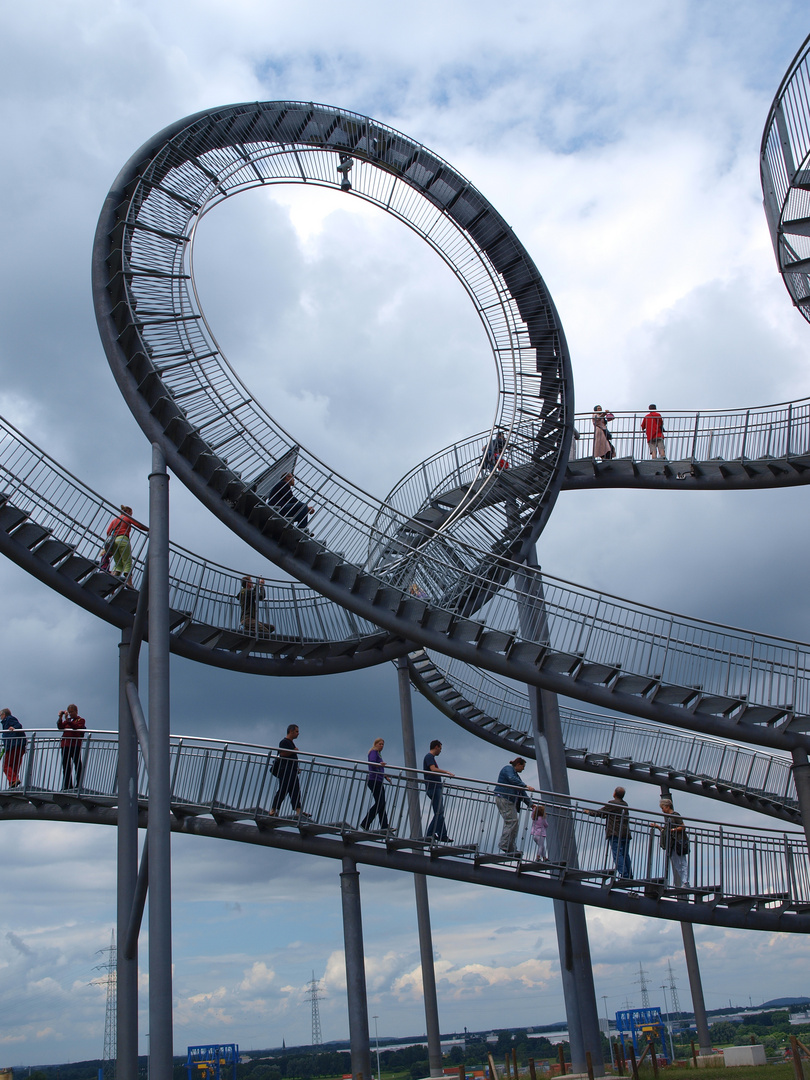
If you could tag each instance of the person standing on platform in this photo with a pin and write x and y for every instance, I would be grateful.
(72, 727)
(435, 792)
(653, 427)
(510, 792)
(617, 832)
(602, 444)
(286, 769)
(376, 785)
(14, 746)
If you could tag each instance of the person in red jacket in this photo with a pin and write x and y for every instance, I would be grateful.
(118, 532)
(72, 727)
(653, 427)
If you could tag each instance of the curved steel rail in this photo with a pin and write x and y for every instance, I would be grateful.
(756, 879)
(217, 440)
(785, 173)
(498, 712)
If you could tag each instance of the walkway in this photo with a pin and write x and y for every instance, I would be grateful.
(757, 879)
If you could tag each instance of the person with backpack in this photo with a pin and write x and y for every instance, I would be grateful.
(675, 842)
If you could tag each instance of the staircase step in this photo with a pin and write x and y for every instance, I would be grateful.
(53, 550)
(101, 583)
(11, 516)
(30, 534)
(76, 567)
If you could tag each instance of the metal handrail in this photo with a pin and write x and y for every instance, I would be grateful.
(593, 734)
(765, 866)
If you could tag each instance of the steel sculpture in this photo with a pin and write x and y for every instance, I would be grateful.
(444, 563)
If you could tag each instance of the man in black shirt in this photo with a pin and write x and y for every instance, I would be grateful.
(617, 831)
(433, 787)
(285, 769)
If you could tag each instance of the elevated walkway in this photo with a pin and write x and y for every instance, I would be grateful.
(616, 746)
(755, 879)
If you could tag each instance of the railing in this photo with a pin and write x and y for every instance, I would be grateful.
(207, 592)
(583, 624)
(236, 779)
(696, 757)
(773, 431)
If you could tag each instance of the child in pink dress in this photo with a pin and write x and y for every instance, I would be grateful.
(539, 829)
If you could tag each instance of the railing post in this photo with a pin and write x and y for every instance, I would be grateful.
(744, 446)
(695, 435)
(789, 430)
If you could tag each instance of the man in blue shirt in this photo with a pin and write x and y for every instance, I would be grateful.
(433, 787)
(510, 792)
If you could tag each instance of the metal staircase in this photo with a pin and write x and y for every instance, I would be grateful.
(756, 879)
(627, 749)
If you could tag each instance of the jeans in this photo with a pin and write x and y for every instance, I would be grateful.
(436, 827)
(508, 810)
(619, 846)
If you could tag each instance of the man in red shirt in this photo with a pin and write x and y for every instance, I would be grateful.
(653, 427)
(72, 727)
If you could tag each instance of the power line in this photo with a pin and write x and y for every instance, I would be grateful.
(676, 1005)
(110, 968)
(642, 980)
(314, 995)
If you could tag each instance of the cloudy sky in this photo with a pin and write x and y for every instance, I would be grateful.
(620, 140)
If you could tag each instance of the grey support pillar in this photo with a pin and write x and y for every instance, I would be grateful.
(432, 1028)
(359, 1041)
(696, 988)
(572, 928)
(801, 778)
(127, 968)
(159, 823)
(692, 967)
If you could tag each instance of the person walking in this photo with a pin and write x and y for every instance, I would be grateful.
(118, 533)
(602, 444)
(250, 596)
(675, 842)
(72, 727)
(14, 746)
(617, 832)
(494, 451)
(375, 782)
(435, 792)
(282, 498)
(653, 427)
(286, 769)
(510, 792)
(540, 829)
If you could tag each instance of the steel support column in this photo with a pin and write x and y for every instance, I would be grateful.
(572, 928)
(127, 783)
(359, 1039)
(696, 988)
(692, 967)
(801, 778)
(419, 880)
(159, 824)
